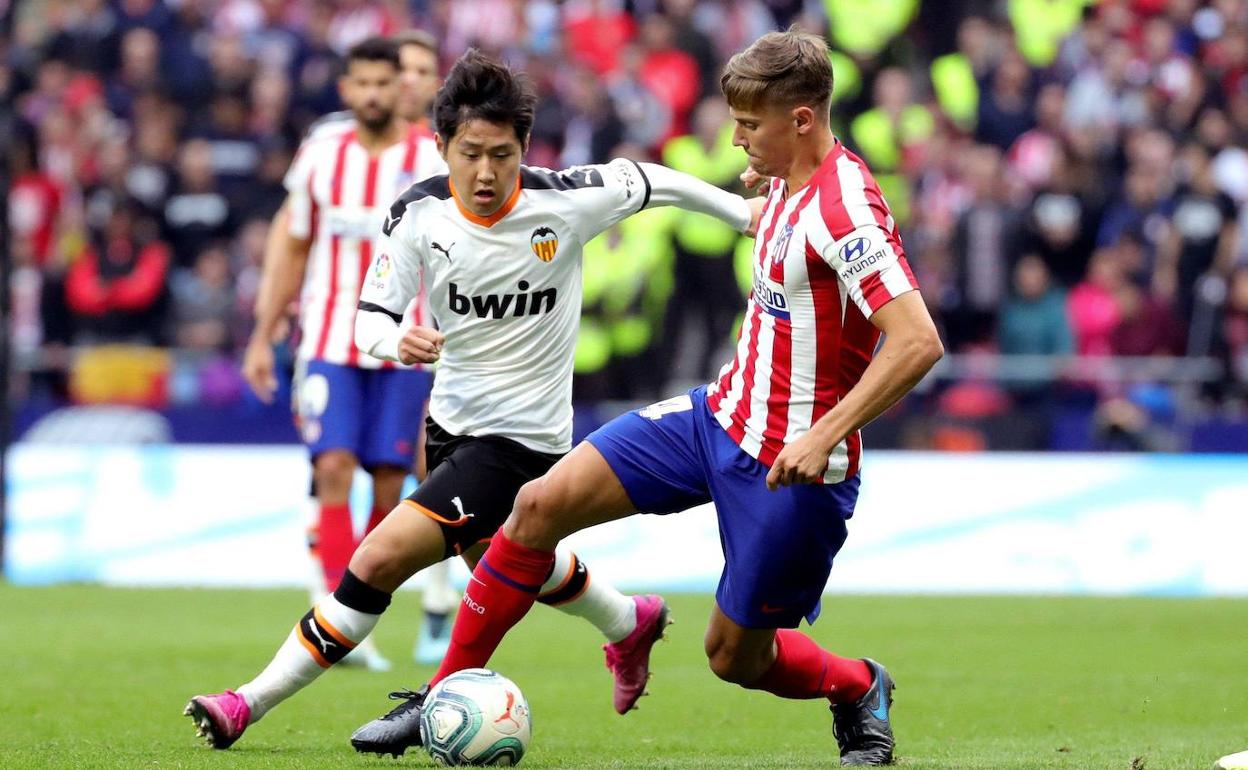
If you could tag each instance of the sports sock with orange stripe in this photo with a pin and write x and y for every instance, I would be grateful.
(571, 589)
(323, 636)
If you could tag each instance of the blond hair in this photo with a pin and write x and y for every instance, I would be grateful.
(781, 68)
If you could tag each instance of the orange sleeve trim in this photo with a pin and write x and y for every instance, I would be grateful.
(311, 648)
(437, 516)
(338, 636)
(492, 219)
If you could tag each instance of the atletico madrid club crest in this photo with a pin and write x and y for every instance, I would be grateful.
(781, 249)
(545, 243)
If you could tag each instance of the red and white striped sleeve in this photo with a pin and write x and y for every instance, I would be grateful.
(853, 231)
(300, 200)
(872, 268)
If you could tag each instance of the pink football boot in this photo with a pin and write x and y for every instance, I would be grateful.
(629, 658)
(221, 719)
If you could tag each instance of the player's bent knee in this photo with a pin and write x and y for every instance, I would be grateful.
(533, 519)
(374, 561)
(729, 666)
(732, 662)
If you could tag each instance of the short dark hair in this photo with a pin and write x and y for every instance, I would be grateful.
(788, 69)
(481, 88)
(374, 49)
(419, 38)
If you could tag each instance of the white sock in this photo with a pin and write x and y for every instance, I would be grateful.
(439, 598)
(294, 666)
(569, 589)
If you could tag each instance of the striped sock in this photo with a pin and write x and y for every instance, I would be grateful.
(323, 636)
(570, 589)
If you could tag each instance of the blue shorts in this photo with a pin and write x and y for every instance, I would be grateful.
(373, 413)
(778, 546)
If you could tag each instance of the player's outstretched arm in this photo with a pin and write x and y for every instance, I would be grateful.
(281, 275)
(669, 187)
(911, 348)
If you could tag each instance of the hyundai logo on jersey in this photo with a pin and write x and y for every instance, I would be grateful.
(545, 243)
(855, 249)
(498, 305)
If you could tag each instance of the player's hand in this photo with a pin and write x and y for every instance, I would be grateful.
(802, 462)
(421, 345)
(756, 214)
(258, 369)
(751, 179)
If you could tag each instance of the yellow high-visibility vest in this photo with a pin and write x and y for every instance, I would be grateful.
(957, 92)
(864, 27)
(1041, 25)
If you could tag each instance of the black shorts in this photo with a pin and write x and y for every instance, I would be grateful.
(473, 482)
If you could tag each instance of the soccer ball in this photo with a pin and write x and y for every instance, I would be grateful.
(476, 717)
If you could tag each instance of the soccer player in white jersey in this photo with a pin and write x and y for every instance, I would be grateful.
(498, 247)
(501, 412)
(282, 274)
(774, 441)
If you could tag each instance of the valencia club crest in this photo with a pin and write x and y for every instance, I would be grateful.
(545, 243)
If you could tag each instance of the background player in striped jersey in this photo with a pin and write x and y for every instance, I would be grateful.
(418, 80)
(774, 441)
(501, 412)
(337, 188)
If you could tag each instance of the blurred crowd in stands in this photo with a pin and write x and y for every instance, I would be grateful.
(1070, 176)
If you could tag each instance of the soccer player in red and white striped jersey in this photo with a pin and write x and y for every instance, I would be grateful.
(284, 267)
(774, 441)
(828, 256)
(338, 188)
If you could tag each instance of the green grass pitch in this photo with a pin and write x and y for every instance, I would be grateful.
(96, 677)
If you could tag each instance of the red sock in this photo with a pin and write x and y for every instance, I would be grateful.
(503, 588)
(335, 541)
(803, 670)
(375, 517)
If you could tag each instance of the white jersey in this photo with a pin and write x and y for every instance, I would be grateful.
(506, 290)
(338, 197)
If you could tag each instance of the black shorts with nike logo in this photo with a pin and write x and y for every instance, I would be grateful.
(473, 482)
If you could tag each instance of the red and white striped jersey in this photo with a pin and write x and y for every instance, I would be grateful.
(339, 197)
(827, 256)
